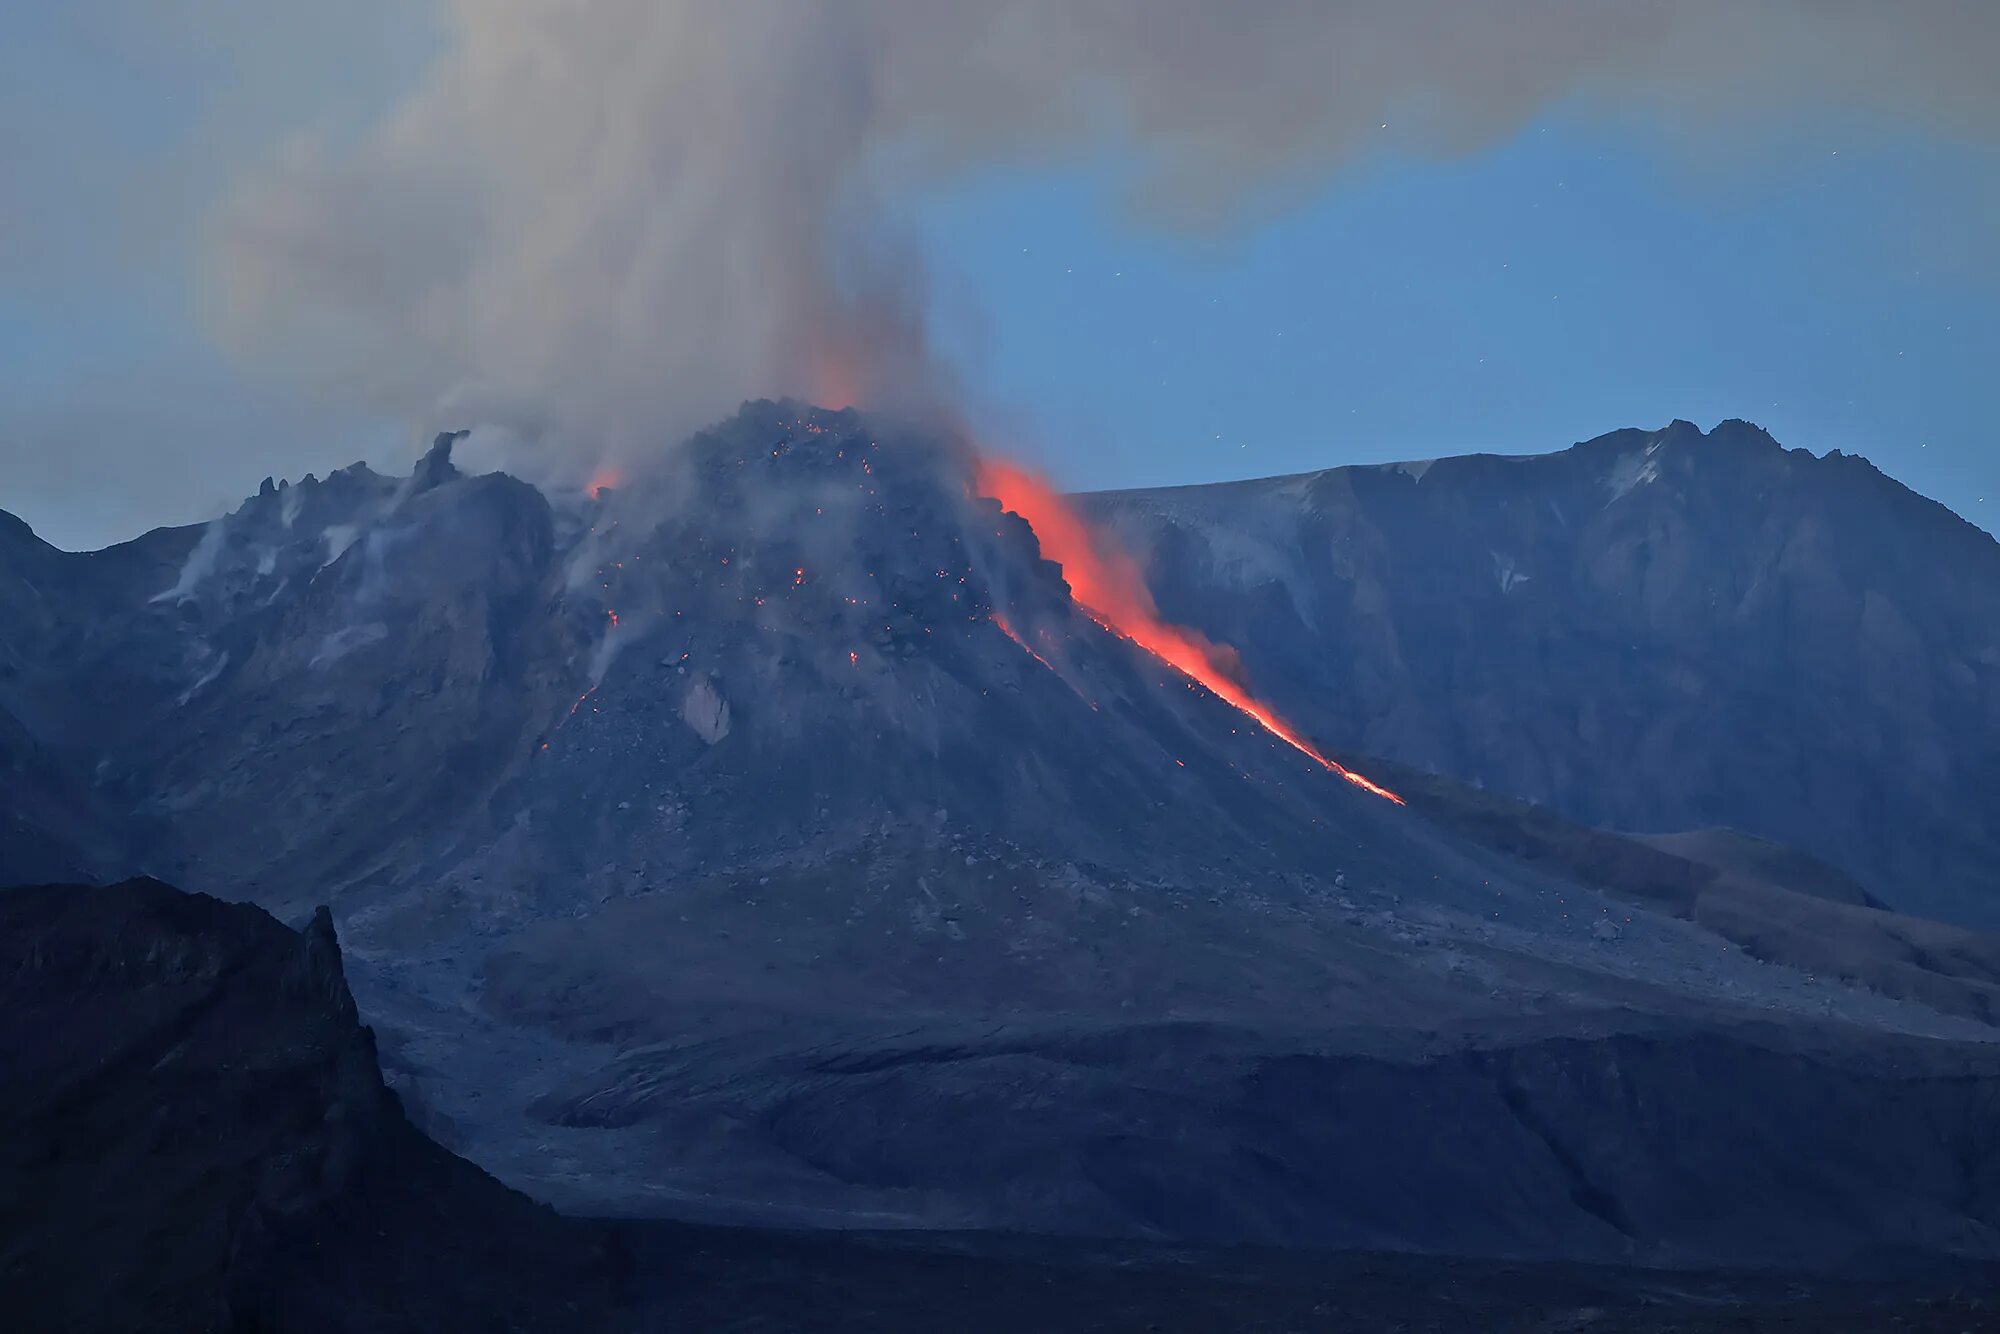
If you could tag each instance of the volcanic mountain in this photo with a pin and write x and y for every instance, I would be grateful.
(387, 681)
(1656, 631)
(780, 834)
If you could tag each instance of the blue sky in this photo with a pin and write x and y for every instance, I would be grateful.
(1836, 284)
(1569, 283)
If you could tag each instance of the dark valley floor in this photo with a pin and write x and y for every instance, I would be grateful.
(198, 1138)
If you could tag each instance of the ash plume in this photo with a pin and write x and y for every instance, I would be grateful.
(613, 220)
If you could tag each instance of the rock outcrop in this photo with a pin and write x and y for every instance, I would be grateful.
(195, 1135)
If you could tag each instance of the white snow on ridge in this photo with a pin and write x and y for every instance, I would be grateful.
(1413, 469)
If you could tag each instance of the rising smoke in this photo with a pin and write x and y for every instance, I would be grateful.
(614, 219)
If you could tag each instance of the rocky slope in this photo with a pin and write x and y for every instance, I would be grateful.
(711, 848)
(1653, 631)
(194, 1135)
(444, 682)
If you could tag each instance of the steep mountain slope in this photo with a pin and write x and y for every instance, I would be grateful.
(55, 823)
(52, 825)
(1652, 631)
(365, 685)
(774, 837)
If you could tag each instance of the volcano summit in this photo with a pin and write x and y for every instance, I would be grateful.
(793, 832)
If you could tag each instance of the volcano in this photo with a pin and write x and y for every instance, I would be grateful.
(793, 828)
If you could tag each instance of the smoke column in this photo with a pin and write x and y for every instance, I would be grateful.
(614, 219)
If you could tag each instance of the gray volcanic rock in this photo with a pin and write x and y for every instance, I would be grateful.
(1652, 631)
(709, 847)
(52, 825)
(1744, 860)
(197, 1138)
(1775, 904)
(376, 703)
(784, 639)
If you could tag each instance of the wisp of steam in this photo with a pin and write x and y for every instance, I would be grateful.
(596, 224)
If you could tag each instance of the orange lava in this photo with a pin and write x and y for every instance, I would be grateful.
(1008, 631)
(1107, 584)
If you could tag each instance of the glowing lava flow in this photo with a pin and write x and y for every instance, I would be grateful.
(1106, 583)
(1008, 630)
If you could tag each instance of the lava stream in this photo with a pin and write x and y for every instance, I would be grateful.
(1007, 629)
(1106, 584)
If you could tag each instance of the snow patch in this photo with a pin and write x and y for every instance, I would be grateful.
(1413, 469)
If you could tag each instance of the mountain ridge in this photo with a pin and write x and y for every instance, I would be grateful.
(1593, 629)
(1729, 430)
(773, 838)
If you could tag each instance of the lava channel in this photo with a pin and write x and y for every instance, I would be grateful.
(1106, 583)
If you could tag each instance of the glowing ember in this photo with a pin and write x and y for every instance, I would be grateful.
(1008, 631)
(1106, 583)
(604, 480)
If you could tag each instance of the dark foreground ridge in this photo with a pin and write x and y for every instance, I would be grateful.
(195, 1135)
